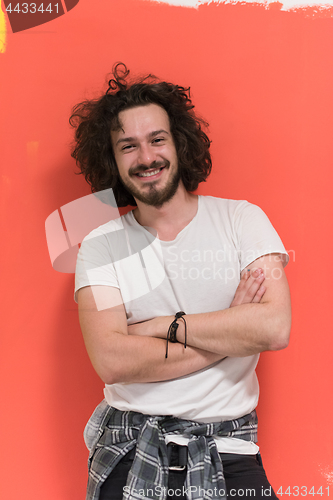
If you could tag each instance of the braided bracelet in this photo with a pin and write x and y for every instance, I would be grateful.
(172, 332)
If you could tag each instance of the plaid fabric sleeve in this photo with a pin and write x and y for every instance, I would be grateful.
(119, 432)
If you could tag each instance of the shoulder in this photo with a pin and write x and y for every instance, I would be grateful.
(217, 202)
(103, 244)
(107, 228)
(237, 216)
(109, 232)
(228, 207)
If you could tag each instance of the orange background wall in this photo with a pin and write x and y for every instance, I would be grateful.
(263, 79)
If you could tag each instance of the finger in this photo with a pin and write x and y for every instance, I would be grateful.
(255, 273)
(245, 275)
(248, 286)
(258, 296)
(251, 275)
(253, 285)
(241, 289)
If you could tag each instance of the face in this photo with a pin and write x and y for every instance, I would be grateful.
(146, 155)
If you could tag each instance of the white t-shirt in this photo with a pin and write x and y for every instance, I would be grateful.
(197, 272)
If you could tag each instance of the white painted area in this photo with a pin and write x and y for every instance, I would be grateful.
(287, 4)
(327, 473)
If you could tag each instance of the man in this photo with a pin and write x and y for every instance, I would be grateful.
(178, 420)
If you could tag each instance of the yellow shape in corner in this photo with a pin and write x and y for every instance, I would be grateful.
(3, 31)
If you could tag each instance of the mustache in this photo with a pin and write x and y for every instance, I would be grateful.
(153, 166)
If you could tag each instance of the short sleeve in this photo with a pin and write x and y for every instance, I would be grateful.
(95, 263)
(256, 235)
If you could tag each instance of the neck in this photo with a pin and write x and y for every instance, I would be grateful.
(169, 219)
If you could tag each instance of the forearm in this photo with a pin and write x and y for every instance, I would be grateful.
(238, 331)
(121, 358)
(133, 359)
(241, 330)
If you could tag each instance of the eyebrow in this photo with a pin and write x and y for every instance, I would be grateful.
(151, 135)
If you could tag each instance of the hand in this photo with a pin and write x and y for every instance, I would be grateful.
(250, 288)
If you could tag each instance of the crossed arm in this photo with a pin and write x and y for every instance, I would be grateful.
(258, 319)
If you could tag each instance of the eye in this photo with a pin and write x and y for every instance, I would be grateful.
(158, 139)
(127, 147)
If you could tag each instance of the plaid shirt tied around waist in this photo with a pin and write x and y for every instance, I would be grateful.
(110, 434)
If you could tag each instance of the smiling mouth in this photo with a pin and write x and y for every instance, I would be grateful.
(150, 173)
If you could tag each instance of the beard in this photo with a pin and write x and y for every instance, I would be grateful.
(155, 197)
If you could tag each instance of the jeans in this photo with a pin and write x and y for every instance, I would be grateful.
(244, 477)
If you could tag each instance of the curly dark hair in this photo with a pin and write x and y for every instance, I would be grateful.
(94, 120)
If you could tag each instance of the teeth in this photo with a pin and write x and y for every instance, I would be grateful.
(148, 174)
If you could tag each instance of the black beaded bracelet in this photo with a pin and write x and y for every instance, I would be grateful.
(172, 332)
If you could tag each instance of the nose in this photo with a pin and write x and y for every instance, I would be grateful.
(147, 155)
